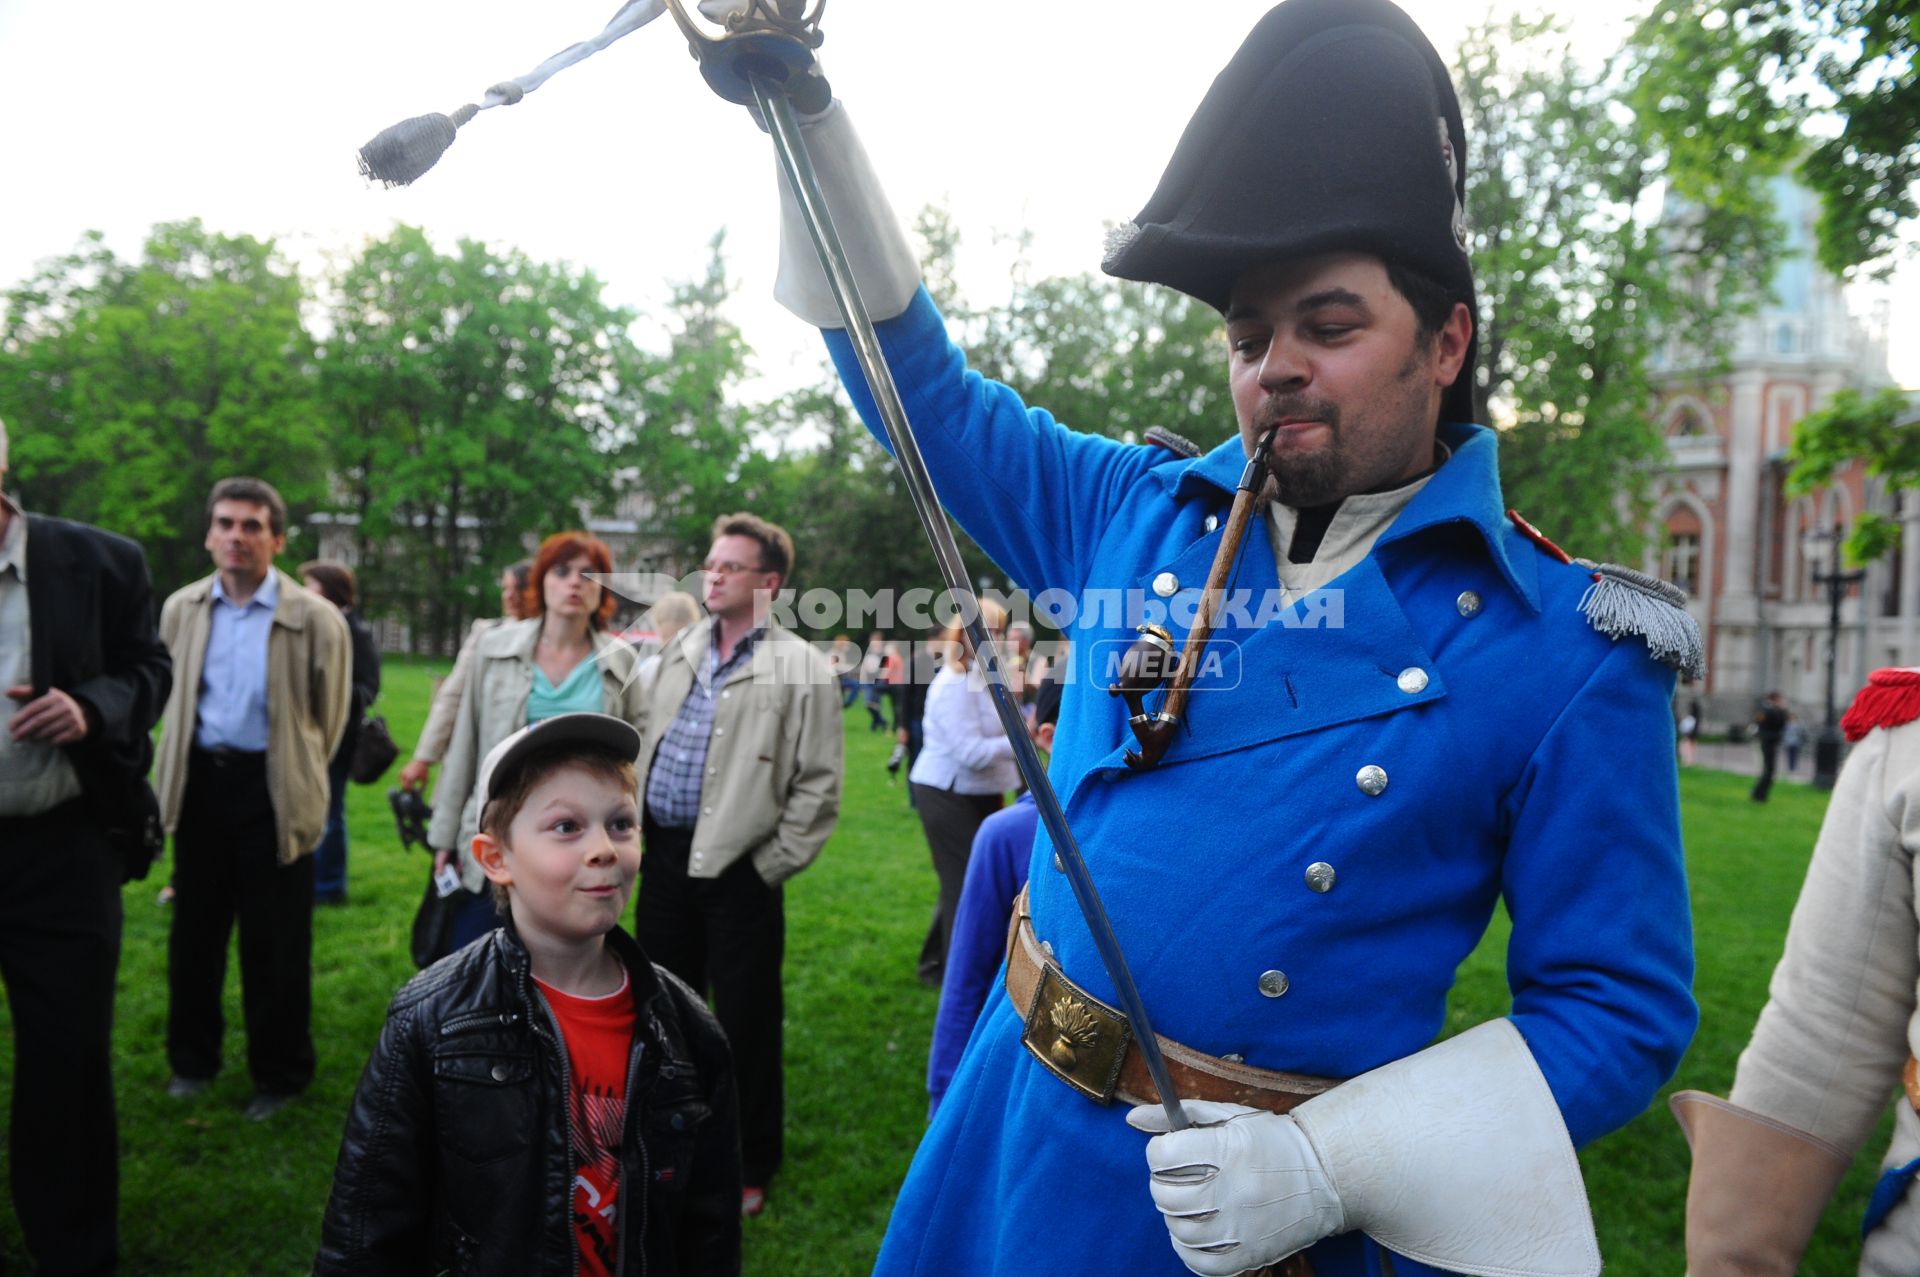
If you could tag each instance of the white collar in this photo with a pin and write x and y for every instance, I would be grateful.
(13, 547)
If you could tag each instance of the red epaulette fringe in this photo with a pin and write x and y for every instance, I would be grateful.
(1891, 698)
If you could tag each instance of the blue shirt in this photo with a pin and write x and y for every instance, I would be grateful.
(233, 681)
(680, 764)
(996, 870)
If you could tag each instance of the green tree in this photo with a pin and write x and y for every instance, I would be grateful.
(1582, 277)
(1110, 356)
(843, 499)
(1732, 81)
(687, 434)
(474, 400)
(130, 387)
(1883, 429)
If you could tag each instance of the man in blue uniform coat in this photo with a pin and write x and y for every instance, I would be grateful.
(1412, 721)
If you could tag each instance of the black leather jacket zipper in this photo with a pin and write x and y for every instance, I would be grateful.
(630, 1123)
(551, 1031)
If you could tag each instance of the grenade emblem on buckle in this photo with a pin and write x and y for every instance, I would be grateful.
(1074, 1030)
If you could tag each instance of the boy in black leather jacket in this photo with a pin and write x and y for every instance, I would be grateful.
(546, 1100)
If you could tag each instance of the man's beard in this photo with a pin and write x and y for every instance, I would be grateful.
(1303, 479)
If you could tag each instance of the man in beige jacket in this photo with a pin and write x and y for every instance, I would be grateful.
(1836, 1041)
(260, 699)
(742, 767)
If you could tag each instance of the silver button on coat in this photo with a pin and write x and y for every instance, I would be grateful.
(1468, 603)
(1213, 521)
(1320, 877)
(1372, 780)
(1413, 680)
(1274, 983)
(1166, 585)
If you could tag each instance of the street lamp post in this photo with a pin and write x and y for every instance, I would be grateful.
(1826, 749)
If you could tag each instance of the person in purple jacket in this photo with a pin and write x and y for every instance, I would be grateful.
(996, 871)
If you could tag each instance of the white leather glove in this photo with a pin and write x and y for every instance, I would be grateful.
(884, 267)
(883, 264)
(1456, 1157)
(1240, 1189)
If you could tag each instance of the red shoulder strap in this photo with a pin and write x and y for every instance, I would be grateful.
(1538, 537)
(1891, 698)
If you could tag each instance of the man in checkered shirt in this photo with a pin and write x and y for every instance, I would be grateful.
(742, 760)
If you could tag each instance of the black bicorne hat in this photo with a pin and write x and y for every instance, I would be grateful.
(1335, 127)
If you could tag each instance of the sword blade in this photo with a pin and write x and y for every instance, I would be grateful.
(797, 163)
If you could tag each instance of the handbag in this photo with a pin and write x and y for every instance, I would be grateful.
(373, 752)
(433, 926)
(432, 937)
(138, 836)
(129, 810)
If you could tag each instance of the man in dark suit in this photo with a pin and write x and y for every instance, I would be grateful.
(1770, 724)
(85, 678)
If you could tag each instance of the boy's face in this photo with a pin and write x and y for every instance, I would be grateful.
(569, 858)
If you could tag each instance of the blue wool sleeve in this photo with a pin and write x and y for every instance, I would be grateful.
(996, 870)
(1034, 494)
(1601, 957)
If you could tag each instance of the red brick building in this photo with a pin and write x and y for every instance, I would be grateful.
(1728, 534)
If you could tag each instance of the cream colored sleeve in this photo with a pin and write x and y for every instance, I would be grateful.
(457, 777)
(811, 804)
(1829, 1046)
(631, 704)
(438, 732)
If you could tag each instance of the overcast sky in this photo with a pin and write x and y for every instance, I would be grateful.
(1046, 117)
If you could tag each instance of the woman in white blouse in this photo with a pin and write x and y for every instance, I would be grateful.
(964, 770)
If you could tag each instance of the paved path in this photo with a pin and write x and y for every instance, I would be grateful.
(1744, 759)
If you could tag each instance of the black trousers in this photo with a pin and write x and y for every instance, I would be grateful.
(1769, 756)
(225, 870)
(726, 938)
(59, 950)
(951, 820)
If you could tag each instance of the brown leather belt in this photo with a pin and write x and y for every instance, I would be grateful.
(1088, 1045)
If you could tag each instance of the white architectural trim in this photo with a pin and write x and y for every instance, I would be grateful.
(1709, 537)
(1836, 506)
(1793, 562)
(1682, 404)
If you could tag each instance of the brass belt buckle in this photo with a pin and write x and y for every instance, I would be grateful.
(1079, 1040)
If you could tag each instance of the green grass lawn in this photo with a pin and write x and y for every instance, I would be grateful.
(206, 1191)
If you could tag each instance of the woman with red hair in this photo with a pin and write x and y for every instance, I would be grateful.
(559, 660)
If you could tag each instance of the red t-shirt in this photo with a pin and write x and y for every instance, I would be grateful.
(599, 1037)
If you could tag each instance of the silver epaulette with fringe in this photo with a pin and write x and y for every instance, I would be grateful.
(1622, 601)
(1179, 445)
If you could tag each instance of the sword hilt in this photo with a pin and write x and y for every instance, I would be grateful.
(772, 41)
